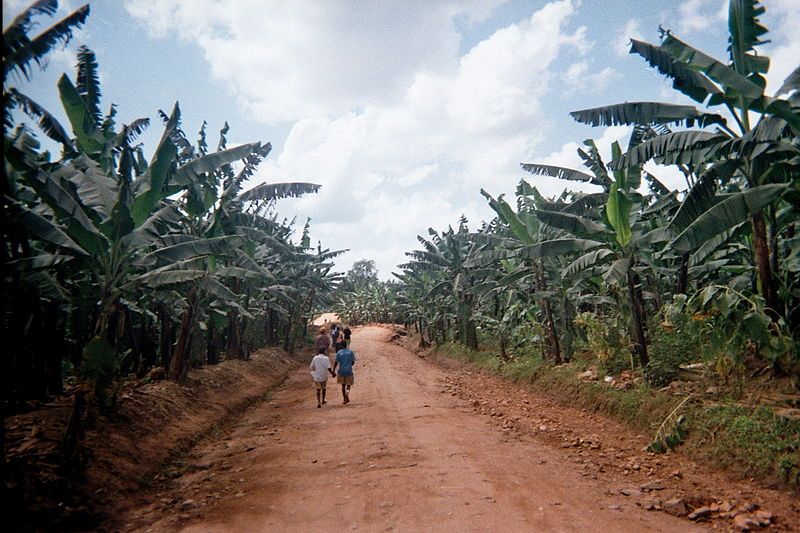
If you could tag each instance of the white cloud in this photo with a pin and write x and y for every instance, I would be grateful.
(783, 19)
(399, 129)
(410, 150)
(579, 77)
(621, 43)
(291, 58)
(700, 15)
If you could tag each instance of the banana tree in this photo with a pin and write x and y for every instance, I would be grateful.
(446, 257)
(617, 239)
(760, 157)
(533, 268)
(104, 207)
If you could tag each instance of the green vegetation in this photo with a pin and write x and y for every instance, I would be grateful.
(637, 278)
(115, 262)
(637, 275)
(362, 298)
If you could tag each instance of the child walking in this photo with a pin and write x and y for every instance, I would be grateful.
(345, 358)
(320, 367)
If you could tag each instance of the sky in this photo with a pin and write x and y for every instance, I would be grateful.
(401, 109)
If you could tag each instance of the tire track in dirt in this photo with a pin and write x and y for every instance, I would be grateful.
(402, 456)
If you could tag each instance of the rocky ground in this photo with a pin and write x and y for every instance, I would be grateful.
(602, 449)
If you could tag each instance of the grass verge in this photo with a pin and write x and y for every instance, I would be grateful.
(750, 442)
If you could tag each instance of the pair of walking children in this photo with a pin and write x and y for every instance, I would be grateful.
(321, 367)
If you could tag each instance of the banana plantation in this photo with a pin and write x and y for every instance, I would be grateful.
(634, 274)
(129, 269)
(116, 261)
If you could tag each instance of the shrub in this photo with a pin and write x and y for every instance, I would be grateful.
(607, 340)
(673, 343)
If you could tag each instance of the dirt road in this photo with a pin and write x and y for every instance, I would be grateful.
(402, 456)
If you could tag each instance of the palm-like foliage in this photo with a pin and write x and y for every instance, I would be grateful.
(446, 256)
(758, 158)
(120, 250)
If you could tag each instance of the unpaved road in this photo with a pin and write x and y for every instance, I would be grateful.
(402, 456)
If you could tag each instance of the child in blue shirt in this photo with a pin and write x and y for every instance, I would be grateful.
(345, 359)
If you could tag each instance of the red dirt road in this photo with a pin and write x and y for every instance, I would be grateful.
(401, 456)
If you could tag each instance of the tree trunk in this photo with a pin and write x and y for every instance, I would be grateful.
(165, 338)
(212, 344)
(503, 354)
(683, 274)
(55, 349)
(179, 365)
(547, 312)
(763, 266)
(288, 342)
(567, 327)
(469, 335)
(234, 347)
(637, 312)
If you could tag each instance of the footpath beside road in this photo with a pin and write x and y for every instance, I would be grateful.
(409, 453)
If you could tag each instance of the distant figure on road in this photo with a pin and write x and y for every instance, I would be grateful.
(322, 341)
(320, 367)
(335, 334)
(339, 343)
(345, 359)
(347, 334)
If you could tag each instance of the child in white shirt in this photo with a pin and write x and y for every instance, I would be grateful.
(320, 367)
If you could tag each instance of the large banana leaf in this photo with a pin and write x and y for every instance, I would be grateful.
(618, 209)
(152, 230)
(514, 277)
(195, 248)
(792, 83)
(148, 190)
(715, 243)
(94, 188)
(16, 34)
(593, 161)
(274, 191)
(744, 32)
(216, 289)
(46, 230)
(733, 210)
(560, 173)
(707, 267)
(160, 278)
(735, 84)
(69, 211)
(507, 215)
(83, 124)
(263, 238)
(630, 113)
(47, 122)
(245, 261)
(687, 147)
(588, 260)
(688, 81)
(572, 223)
(40, 261)
(88, 83)
(188, 173)
(19, 51)
(556, 247)
(586, 202)
(236, 272)
(702, 196)
(47, 285)
(617, 271)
